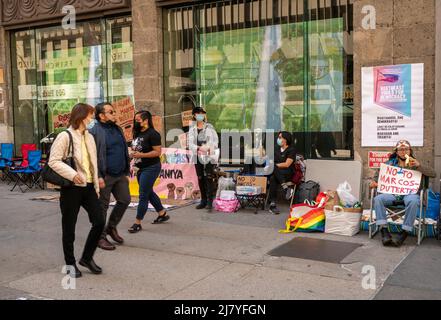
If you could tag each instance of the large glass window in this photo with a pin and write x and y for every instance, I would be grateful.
(268, 64)
(53, 69)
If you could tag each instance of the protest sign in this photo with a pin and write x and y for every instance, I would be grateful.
(125, 111)
(177, 179)
(376, 158)
(187, 117)
(399, 181)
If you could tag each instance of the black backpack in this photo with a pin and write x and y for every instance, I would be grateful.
(307, 191)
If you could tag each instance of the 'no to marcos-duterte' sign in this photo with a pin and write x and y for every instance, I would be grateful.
(400, 181)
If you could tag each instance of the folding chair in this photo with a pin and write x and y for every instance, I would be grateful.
(29, 176)
(6, 150)
(25, 148)
(398, 209)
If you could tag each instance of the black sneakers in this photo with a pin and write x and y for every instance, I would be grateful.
(401, 237)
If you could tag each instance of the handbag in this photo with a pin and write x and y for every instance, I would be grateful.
(49, 175)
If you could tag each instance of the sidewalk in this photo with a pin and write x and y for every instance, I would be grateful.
(196, 255)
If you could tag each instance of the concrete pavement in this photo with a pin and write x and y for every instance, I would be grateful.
(195, 255)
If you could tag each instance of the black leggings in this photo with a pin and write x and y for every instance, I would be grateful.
(205, 178)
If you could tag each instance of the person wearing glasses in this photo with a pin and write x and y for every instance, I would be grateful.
(113, 170)
(402, 157)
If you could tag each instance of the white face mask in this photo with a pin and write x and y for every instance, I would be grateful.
(91, 124)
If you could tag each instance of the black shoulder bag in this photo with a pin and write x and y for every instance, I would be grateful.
(49, 175)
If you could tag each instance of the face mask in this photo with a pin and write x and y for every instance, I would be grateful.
(110, 122)
(279, 141)
(200, 117)
(91, 124)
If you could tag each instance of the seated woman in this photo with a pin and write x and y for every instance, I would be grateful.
(402, 157)
(284, 159)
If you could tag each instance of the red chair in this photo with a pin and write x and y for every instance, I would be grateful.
(25, 148)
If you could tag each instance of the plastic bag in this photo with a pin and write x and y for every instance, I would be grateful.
(433, 207)
(344, 193)
(225, 184)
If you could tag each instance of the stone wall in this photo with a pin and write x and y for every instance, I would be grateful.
(405, 33)
(147, 56)
(6, 133)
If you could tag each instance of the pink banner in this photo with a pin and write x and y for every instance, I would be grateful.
(177, 180)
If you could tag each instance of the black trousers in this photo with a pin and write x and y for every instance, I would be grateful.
(205, 178)
(278, 177)
(71, 199)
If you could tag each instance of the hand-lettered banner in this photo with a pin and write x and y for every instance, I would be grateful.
(177, 180)
(399, 181)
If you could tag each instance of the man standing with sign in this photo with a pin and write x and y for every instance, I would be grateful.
(403, 158)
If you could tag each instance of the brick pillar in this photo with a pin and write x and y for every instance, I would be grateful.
(404, 34)
(147, 56)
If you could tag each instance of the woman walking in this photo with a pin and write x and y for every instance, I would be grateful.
(146, 150)
(85, 190)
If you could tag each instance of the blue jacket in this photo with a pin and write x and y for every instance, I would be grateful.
(99, 133)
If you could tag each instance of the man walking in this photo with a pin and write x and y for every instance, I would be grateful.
(113, 170)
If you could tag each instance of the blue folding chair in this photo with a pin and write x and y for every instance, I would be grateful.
(6, 153)
(29, 176)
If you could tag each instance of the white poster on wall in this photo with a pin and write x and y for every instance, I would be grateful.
(392, 106)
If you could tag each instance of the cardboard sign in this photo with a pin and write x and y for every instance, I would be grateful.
(252, 181)
(376, 158)
(399, 181)
(157, 123)
(125, 112)
(61, 120)
(187, 117)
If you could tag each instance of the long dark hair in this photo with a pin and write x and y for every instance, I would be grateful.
(145, 115)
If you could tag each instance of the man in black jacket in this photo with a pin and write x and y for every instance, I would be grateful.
(113, 170)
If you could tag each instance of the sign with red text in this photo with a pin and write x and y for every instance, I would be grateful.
(125, 111)
(376, 158)
(399, 181)
(61, 120)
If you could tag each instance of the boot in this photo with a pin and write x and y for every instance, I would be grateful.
(113, 233)
(401, 237)
(209, 205)
(386, 237)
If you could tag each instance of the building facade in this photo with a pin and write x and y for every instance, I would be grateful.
(253, 64)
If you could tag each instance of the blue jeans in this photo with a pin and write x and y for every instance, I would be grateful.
(411, 201)
(146, 179)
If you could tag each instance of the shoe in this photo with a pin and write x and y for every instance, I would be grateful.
(105, 244)
(113, 233)
(209, 205)
(201, 205)
(273, 209)
(386, 237)
(401, 237)
(135, 228)
(76, 274)
(91, 265)
(161, 219)
(289, 193)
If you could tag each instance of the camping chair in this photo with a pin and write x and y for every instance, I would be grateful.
(398, 209)
(6, 150)
(25, 148)
(29, 176)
